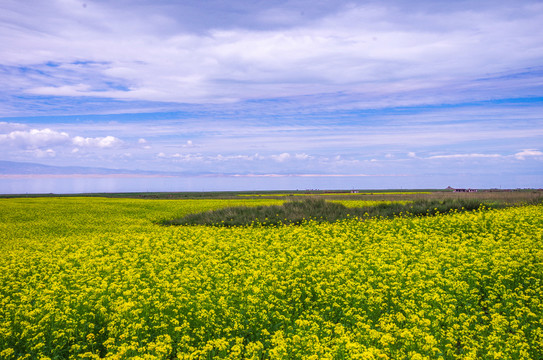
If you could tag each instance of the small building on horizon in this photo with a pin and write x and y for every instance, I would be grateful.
(465, 190)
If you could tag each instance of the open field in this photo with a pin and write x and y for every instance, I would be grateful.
(510, 196)
(89, 278)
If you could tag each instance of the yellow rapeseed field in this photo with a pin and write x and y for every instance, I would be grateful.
(90, 278)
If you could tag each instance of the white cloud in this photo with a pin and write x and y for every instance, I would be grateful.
(533, 153)
(411, 154)
(44, 153)
(281, 157)
(221, 157)
(143, 143)
(34, 138)
(465, 156)
(178, 157)
(302, 156)
(65, 90)
(47, 138)
(97, 142)
(187, 157)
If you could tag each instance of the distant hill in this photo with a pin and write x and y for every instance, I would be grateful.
(23, 168)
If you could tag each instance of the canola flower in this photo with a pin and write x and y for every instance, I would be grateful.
(91, 278)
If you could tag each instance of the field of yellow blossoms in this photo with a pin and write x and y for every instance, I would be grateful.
(90, 278)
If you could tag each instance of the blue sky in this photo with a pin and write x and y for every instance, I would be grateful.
(402, 93)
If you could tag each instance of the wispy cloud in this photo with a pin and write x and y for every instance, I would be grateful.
(465, 156)
(529, 153)
(351, 47)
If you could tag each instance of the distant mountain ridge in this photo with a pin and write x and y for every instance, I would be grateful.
(23, 168)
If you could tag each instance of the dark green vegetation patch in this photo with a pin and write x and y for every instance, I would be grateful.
(297, 211)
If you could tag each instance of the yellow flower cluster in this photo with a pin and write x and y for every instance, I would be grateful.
(92, 278)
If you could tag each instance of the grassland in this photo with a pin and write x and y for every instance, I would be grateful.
(510, 196)
(317, 209)
(90, 278)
